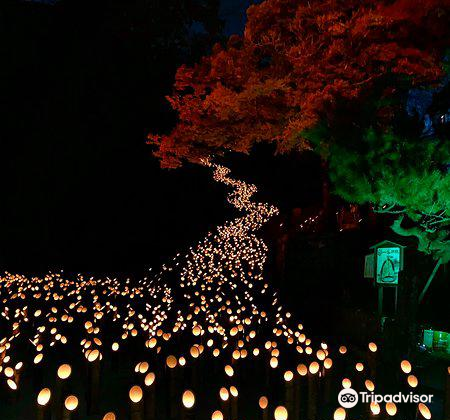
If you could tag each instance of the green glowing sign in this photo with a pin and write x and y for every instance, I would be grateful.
(388, 265)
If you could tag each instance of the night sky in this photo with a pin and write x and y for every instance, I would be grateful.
(85, 84)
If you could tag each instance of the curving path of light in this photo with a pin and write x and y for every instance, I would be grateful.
(220, 306)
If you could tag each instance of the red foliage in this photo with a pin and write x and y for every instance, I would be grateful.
(295, 60)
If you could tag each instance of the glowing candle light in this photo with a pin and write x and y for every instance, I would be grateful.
(12, 384)
(143, 367)
(263, 402)
(424, 411)
(149, 379)
(373, 347)
(412, 381)
(314, 368)
(135, 394)
(339, 414)
(288, 376)
(375, 408)
(391, 409)
(64, 371)
(217, 415)
(224, 394)
(302, 370)
(71, 402)
(171, 362)
(405, 366)
(369, 385)
(280, 413)
(93, 355)
(44, 396)
(38, 358)
(346, 383)
(229, 370)
(359, 367)
(188, 398)
(320, 354)
(195, 352)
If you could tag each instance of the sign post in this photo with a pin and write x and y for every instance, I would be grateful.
(384, 265)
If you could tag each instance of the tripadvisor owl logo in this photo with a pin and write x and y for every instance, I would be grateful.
(348, 398)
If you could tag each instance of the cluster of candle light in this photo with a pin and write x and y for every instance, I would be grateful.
(310, 223)
(224, 311)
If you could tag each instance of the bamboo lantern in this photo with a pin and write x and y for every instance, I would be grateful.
(172, 363)
(301, 392)
(289, 390)
(339, 414)
(375, 410)
(188, 400)
(234, 402)
(149, 398)
(43, 398)
(405, 366)
(372, 352)
(61, 388)
(11, 384)
(217, 415)
(115, 355)
(224, 402)
(346, 383)
(229, 371)
(412, 381)
(391, 409)
(359, 377)
(136, 405)
(370, 386)
(280, 413)
(94, 382)
(423, 412)
(328, 376)
(70, 405)
(17, 372)
(263, 405)
(313, 390)
(38, 373)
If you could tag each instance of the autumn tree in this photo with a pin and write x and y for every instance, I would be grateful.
(291, 66)
(328, 75)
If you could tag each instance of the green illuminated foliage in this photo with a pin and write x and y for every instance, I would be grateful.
(403, 176)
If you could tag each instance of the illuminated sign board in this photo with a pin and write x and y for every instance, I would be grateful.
(388, 265)
(385, 263)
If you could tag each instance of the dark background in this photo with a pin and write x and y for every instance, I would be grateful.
(83, 83)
